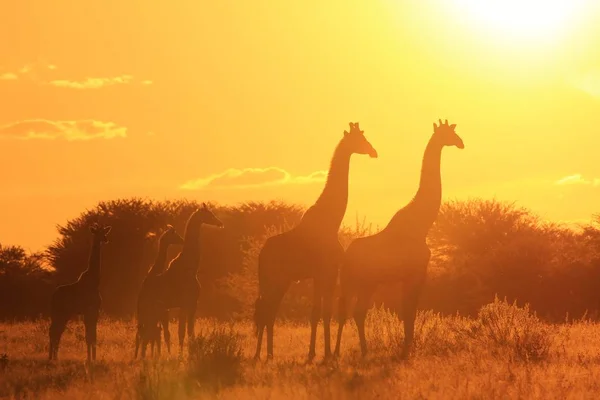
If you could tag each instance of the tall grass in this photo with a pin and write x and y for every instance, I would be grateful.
(504, 352)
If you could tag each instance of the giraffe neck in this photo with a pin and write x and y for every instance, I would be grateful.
(419, 215)
(329, 209)
(429, 195)
(160, 261)
(93, 269)
(190, 252)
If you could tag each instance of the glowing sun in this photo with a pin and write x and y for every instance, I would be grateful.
(522, 19)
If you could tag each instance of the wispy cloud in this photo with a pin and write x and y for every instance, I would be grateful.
(577, 179)
(8, 76)
(64, 130)
(40, 73)
(234, 178)
(589, 83)
(92, 83)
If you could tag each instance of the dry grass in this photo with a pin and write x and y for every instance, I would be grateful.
(504, 353)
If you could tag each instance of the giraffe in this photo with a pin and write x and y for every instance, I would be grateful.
(147, 329)
(81, 297)
(310, 250)
(399, 252)
(178, 286)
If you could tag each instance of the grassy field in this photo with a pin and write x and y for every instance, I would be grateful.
(504, 353)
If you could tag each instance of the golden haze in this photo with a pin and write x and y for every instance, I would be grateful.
(106, 99)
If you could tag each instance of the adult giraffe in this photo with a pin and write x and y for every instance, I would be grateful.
(178, 286)
(399, 252)
(311, 250)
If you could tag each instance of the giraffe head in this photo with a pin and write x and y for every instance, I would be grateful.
(170, 236)
(357, 142)
(446, 135)
(207, 217)
(100, 233)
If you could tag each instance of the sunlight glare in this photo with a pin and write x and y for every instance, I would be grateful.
(522, 19)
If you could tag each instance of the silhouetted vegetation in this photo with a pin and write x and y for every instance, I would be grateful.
(481, 248)
(25, 284)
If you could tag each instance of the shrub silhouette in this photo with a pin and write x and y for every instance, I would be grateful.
(25, 283)
(131, 250)
(480, 248)
(215, 357)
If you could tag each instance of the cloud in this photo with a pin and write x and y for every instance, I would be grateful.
(8, 76)
(64, 130)
(39, 73)
(589, 83)
(577, 179)
(92, 83)
(234, 178)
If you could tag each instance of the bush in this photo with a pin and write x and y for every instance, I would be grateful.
(514, 328)
(133, 243)
(25, 284)
(501, 327)
(506, 329)
(434, 334)
(215, 357)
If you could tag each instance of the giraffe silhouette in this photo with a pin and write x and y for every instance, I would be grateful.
(147, 329)
(311, 250)
(399, 252)
(178, 286)
(81, 297)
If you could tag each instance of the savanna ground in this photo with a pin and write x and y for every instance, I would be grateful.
(506, 352)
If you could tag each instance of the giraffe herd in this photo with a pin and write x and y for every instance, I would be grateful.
(310, 250)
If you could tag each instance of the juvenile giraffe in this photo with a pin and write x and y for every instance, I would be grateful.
(399, 252)
(311, 250)
(147, 328)
(79, 298)
(178, 286)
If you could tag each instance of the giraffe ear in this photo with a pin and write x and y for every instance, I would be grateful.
(204, 206)
(345, 133)
(434, 126)
(453, 126)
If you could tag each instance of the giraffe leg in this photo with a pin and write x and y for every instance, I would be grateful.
(272, 313)
(90, 319)
(360, 314)
(343, 304)
(327, 307)
(341, 322)
(259, 320)
(157, 340)
(57, 327)
(314, 319)
(191, 321)
(409, 313)
(144, 341)
(165, 326)
(182, 321)
(137, 342)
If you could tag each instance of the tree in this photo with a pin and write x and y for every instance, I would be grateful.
(25, 283)
(133, 244)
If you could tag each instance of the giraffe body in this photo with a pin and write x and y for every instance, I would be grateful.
(150, 321)
(311, 250)
(178, 286)
(81, 297)
(399, 253)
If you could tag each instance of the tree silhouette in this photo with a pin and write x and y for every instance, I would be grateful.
(25, 283)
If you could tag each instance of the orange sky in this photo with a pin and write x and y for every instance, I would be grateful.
(104, 99)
